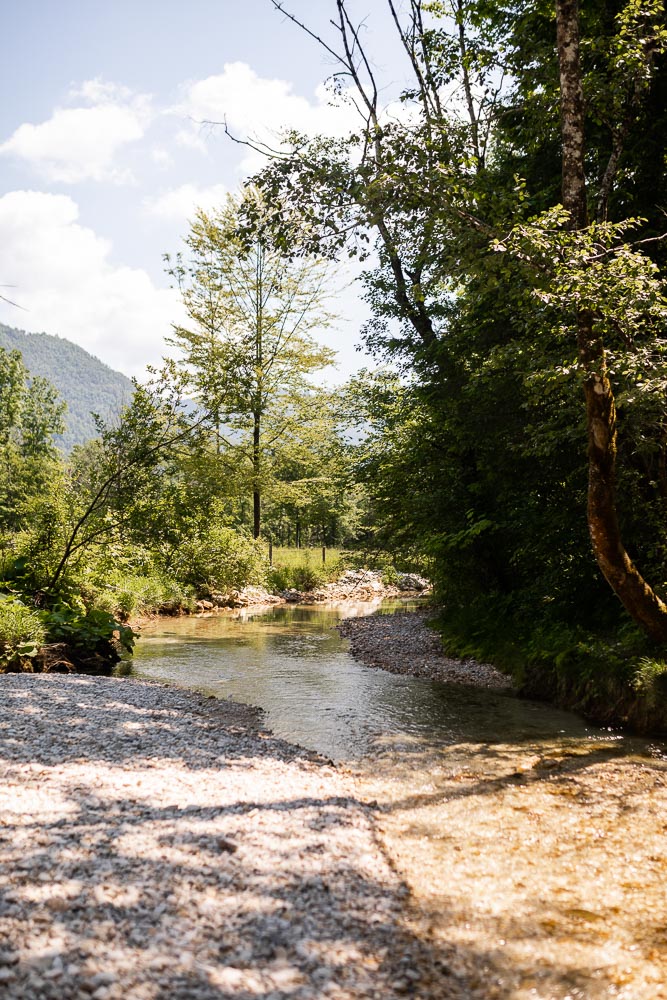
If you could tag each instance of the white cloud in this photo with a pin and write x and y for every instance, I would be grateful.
(259, 108)
(100, 91)
(161, 157)
(179, 204)
(82, 143)
(64, 277)
(191, 138)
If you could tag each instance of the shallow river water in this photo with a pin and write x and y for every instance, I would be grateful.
(292, 663)
(535, 846)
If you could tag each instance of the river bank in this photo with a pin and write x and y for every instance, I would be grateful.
(352, 585)
(155, 843)
(539, 864)
(403, 643)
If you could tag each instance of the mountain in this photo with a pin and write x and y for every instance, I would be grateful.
(85, 383)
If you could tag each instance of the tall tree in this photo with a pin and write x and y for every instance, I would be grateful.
(616, 565)
(31, 413)
(250, 349)
(439, 200)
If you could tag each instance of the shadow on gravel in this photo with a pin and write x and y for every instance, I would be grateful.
(549, 833)
(190, 891)
(123, 889)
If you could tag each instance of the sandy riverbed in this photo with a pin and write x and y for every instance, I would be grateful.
(538, 863)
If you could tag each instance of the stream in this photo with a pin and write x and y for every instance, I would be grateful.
(534, 845)
(290, 661)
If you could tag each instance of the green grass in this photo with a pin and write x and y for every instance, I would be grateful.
(21, 632)
(303, 569)
(128, 595)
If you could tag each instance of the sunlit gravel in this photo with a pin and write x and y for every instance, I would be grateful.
(154, 844)
(539, 859)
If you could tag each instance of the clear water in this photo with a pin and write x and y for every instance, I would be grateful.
(534, 845)
(292, 663)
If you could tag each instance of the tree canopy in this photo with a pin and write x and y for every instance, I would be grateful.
(249, 352)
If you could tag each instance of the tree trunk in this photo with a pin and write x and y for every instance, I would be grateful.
(256, 495)
(635, 594)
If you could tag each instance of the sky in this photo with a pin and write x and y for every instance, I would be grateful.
(104, 157)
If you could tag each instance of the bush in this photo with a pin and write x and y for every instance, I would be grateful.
(650, 682)
(295, 578)
(303, 569)
(219, 559)
(22, 632)
(613, 678)
(130, 594)
(95, 638)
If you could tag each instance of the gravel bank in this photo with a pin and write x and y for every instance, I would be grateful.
(404, 644)
(155, 844)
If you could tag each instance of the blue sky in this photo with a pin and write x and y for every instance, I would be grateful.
(103, 159)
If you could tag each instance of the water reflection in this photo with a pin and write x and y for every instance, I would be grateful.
(292, 663)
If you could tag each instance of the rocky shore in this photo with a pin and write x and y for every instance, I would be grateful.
(156, 844)
(352, 585)
(403, 643)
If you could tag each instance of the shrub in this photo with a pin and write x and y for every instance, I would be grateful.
(650, 681)
(21, 632)
(95, 637)
(220, 558)
(130, 594)
(303, 569)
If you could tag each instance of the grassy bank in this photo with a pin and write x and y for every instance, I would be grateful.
(616, 679)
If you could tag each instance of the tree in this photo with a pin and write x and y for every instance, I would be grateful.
(31, 413)
(440, 200)
(616, 565)
(315, 499)
(106, 481)
(249, 352)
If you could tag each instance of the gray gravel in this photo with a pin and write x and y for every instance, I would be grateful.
(403, 643)
(156, 844)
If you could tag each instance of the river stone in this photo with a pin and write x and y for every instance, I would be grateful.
(138, 836)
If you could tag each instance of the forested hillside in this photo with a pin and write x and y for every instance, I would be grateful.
(85, 383)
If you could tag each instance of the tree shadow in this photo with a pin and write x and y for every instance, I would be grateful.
(117, 892)
(457, 821)
(112, 894)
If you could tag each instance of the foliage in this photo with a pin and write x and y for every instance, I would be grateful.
(89, 632)
(129, 595)
(303, 569)
(249, 351)
(650, 682)
(22, 632)
(473, 443)
(217, 559)
(103, 493)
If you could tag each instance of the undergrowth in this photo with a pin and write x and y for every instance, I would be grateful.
(615, 678)
(304, 569)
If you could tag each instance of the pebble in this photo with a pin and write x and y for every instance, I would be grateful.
(201, 858)
(403, 643)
